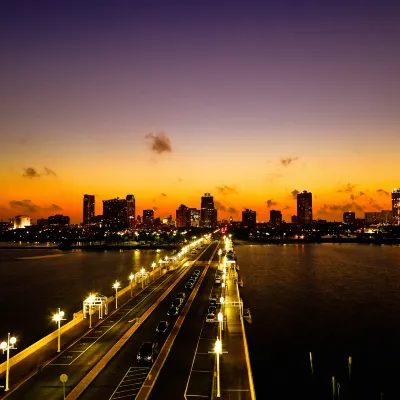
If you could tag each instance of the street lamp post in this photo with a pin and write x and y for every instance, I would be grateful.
(58, 318)
(131, 276)
(220, 319)
(7, 346)
(142, 272)
(154, 265)
(218, 351)
(116, 286)
(90, 300)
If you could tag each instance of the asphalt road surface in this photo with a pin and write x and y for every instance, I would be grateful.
(123, 376)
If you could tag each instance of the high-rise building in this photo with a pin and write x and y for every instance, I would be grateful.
(130, 210)
(349, 217)
(372, 218)
(386, 216)
(115, 212)
(183, 217)
(88, 208)
(58, 219)
(249, 219)
(208, 213)
(22, 221)
(275, 218)
(194, 217)
(148, 217)
(304, 208)
(42, 222)
(396, 206)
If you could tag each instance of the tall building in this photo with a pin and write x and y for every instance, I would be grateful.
(21, 221)
(130, 210)
(115, 213)
(349, 217)
(372, 218)
(208, 213)
(194, 217)
(249, 219)
(58, 219)
(396, 206)
(148, 217)
(275, 218)
(183, 216)
(304, 208)
(88, 208)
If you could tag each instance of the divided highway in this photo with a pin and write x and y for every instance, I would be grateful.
(123, 377)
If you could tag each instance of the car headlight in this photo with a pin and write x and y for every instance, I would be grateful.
(148, 358)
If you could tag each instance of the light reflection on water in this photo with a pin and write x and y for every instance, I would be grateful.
(33, 288)
(336, 300)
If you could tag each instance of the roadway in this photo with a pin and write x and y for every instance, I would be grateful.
(122, 378)
(81, 356)
(189, 369)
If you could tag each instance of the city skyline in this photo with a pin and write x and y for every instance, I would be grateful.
(252, 103)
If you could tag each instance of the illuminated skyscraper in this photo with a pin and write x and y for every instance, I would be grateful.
(183, 216)
(304, 208)
(208, 213)
(275, 218)
(249, 218)
(130, 210)
(88, 209)
(148, 217)
(396, 206)
(115, 212)
(194, 217)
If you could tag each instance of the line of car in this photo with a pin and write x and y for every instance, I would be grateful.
(148, 351)
(214, 306)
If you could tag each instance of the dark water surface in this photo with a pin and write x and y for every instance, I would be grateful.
(33, 283)
(334, 300)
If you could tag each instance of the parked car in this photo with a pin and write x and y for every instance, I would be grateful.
(177, 303)
(148, 352)
(212, 303)
(189, 285)
(196, 272)
(181, 295)
(163, 327)
(212, 310)
(210, 318)
(173, 311)
(218, 279)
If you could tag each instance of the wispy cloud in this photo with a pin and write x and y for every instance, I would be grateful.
(347, 188)
(163, 195)
(356, 196)
(219, 206)
(155, 208)
(30, 173)
(232, 210)
(326, 208)
(55, 207)
(271, 177)
(294, 194)
(49, 171)
(270, 203)
(383, 192)
(25, 205)
(159, 142)
(288, 160)
(225, 190)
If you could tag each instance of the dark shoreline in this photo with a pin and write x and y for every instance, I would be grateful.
(93, 247)
(378, 242)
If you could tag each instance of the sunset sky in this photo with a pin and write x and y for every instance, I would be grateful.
(250, 101)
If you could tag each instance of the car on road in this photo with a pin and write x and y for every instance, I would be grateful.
(218, 279)
(173, 311)
(212, 310)
(148, 352)
(177, 303)
(163, 327)
(189, 285)
(210, 318)
(212, 303)
(181, 295)
(196, 272)
(213, 298)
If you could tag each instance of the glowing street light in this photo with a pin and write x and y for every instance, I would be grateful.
(90, 301)
(6, 347)
(220, 319)
(218, 351)
(131, 277)
(116, 286)
(154, 265)
(219, 256)
(58, 318)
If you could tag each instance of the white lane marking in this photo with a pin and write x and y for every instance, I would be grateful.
(124, 383)
(91, 344)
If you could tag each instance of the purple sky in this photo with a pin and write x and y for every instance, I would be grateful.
(268, 79)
